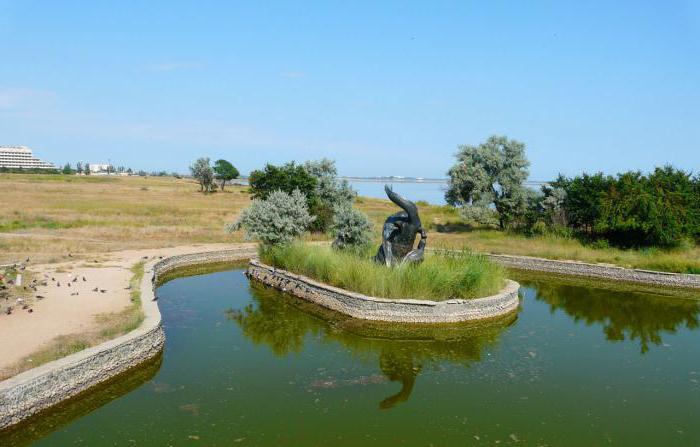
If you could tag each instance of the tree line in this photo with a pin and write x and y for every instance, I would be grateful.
(631, 209)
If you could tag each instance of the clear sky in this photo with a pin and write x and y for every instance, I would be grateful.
(384, 88)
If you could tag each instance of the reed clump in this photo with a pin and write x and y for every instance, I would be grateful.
(439, 277)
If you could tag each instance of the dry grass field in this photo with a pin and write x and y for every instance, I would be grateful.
(46, 217)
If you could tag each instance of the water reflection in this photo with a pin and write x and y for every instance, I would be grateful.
(623, 315)
(284, 322)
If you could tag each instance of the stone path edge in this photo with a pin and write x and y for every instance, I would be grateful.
(364, 307)
(29, 393)
(601, 271)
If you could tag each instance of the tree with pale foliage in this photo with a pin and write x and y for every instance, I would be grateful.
(351, 228)
(278, 219)
(330, 192)
(202, 172)
(487, 181)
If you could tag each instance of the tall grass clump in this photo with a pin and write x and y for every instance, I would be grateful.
(438, 277)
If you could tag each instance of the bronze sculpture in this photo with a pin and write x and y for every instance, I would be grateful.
(399, 233)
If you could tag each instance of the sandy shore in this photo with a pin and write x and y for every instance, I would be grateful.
(70, 304)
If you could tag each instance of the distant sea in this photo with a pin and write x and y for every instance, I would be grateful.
(431, 192)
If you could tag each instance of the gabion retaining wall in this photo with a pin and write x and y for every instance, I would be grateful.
(38, 389)
(365, 307)
(601, 271)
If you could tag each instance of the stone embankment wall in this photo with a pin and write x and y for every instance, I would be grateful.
(602, 271)
(365, 307)
(38, 389)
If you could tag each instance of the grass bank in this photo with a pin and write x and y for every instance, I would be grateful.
(439, 277)
(681, 260)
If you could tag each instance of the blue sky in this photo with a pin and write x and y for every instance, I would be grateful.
(384, 88)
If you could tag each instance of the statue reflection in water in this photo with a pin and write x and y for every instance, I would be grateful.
(282, 322)
(398, 368)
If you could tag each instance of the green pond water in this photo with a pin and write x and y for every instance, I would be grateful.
(580, 365)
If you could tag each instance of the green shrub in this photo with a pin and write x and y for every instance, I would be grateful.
(600, 244)
(539, 228)
(438, 277)
(285, 178)
(632, 210)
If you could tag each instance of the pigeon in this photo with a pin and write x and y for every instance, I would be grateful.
(96, 289)
(53, 279)
(40, 297)
(155, 298)
(30, 310)
(75, 279)
(26, 260)
(84, 279)
(26, 306)
(74, 294)
(127, 288)
(58, 284)
(70, 255)
(68, 284)
(103, 291)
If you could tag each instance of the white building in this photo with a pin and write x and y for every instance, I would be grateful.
(96, 168)
(16, 157)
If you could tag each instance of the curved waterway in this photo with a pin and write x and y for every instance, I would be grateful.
(579, 365)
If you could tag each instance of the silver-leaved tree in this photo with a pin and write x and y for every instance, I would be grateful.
(351, 228)
(487, 181)
(278, 219)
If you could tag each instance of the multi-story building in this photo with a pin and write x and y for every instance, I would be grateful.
(20, 157)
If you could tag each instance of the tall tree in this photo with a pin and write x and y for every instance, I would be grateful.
(489, 177)
(225, 171)
(202, 172)
(287, 178)
(331, 193)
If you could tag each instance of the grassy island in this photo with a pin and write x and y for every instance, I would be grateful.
(439, 277)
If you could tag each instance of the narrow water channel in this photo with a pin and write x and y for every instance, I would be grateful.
(246, 365)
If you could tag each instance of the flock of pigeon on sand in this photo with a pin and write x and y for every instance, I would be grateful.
(7, 283)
